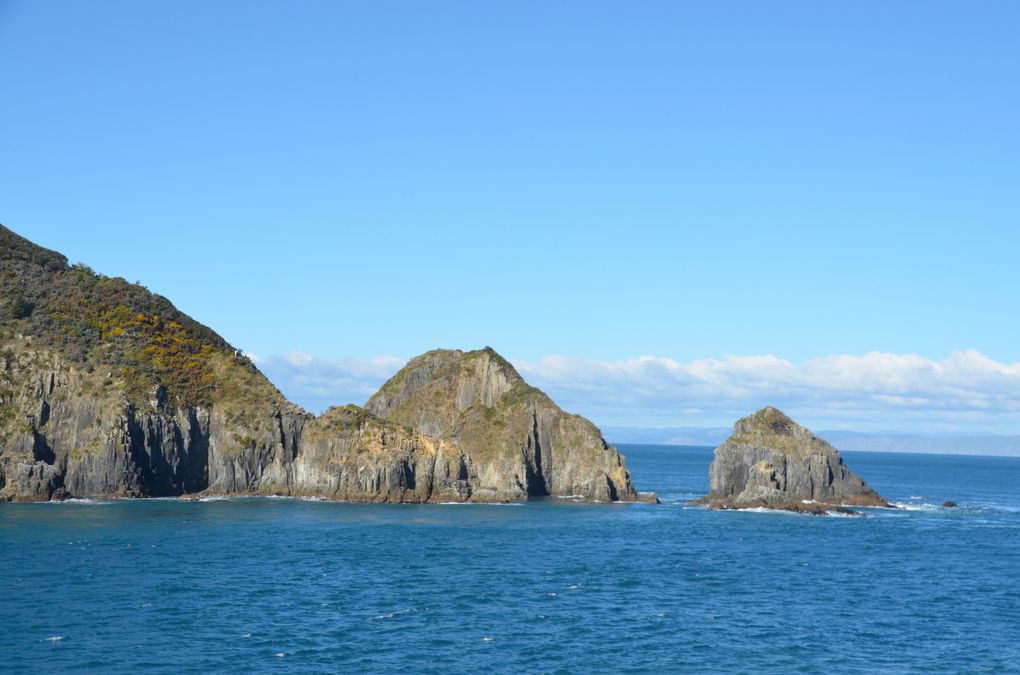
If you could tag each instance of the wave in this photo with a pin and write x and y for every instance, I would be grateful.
(84, 501)
(762, 509)
(786, 512)
(391, 615)
(243, 497)
(961, 508)
(910, 506)
(479, 503)
(95, 501)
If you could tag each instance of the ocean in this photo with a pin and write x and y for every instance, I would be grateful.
(286, 585)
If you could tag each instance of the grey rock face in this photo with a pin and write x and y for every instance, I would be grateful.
(78, 437)
(109, 390)
(73, 442)
(773, 462)
(516, 442)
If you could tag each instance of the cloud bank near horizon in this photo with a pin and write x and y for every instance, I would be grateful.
(966, 392)
(316, 384)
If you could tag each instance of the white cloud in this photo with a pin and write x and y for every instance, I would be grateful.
(965, 392)
(298, 359)
(317, 384)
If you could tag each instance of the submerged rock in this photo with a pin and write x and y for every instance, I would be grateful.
(770, 461)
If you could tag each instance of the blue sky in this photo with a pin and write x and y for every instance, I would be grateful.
(358, 182)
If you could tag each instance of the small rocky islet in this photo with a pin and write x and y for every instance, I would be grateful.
(771, 462)
(107, 390)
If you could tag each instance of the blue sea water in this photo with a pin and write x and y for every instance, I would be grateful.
(301, 586)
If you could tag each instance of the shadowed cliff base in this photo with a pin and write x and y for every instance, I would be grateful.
(107, 390)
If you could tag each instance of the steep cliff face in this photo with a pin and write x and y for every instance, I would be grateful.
(350, 454)
(771, 461)
(108, 390)
(71, 429)
(517, 443)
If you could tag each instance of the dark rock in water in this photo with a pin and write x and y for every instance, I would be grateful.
(772, 462)
(949, 505)
(810, 508)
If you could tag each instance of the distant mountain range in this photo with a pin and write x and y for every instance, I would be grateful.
(939, 444)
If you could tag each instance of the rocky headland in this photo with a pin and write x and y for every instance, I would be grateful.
(107, 390)
(772, 462)
(521, 444)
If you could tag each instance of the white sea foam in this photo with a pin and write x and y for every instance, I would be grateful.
(907, 506)
(390, 615)
(762, 509)
(55, 638)
(479, 504)
(85, 501)
(487, 638)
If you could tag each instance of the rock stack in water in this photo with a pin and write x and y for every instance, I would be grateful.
(772, 462)
(515, 441)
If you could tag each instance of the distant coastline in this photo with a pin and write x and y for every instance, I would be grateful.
(853, 441)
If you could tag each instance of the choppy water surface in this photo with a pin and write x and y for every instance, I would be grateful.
(299, 586)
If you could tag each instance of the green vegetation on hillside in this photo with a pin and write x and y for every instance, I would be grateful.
(105, 321)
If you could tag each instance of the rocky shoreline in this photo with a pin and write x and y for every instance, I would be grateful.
(108, 390)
